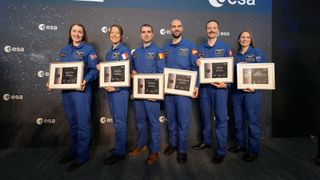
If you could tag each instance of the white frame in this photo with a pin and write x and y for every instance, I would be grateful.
(52, 71)
(271, 76)
(228, 79)
(125, 83)
(193, 75)
(136, 95)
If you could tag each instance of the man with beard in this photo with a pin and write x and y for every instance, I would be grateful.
(214, 96)
(179, 54)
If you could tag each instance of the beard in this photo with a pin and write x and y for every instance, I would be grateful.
(176, 36)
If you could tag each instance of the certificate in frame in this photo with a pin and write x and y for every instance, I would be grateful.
(218, 69)
(115, 74)
(148, 86)
(179, 82)
(66, 75)
(256, 76)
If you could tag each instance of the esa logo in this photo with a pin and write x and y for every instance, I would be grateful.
(42, 74)
(8, 97)
(164, 32)
(104, 120)
(9, 49)
(41, 121)
(220, 3)
(43, 27)
(162, 119)
(224, 33)
(105, 29)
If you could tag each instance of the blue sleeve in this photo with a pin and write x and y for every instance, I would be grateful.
(160, 61)
(260, 57)
(228, 52)
(193, 62)
(133, 61)
(91, 63)
(124, 52)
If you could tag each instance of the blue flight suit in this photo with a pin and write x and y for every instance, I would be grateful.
(118, 102)
(77, 104)
(213, 98)
(246, 106)
(148, 59)
(182, 55)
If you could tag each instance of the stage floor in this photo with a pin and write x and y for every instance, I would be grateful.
(280, 158)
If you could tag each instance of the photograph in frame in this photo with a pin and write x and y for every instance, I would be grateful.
(179, 82)
(218, 69)
(256, 76)
(115, 74)
(66, 75)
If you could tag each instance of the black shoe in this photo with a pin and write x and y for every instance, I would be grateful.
(249, 157)
(201, 146)
(316, 161)
(75, 165)
(182, 158)
(217, 159)
(169, 150)
(111, 150)
(113, 159)
(237, 149)
(67, 158)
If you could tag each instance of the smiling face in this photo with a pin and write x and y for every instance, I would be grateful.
(245, 39)
(115, 35)
(146, 34)
(76, 34)
(212, 30)
(176, 28)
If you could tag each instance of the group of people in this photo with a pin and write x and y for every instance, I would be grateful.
(179, 53)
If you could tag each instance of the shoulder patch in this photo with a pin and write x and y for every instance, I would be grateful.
(194, 51)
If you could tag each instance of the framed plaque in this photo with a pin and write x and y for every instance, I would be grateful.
(255, 76)
(179, 82)
(115, 73)
(148, 86)
(66, 75)
(216, 70)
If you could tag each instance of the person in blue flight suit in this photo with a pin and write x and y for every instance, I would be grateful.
(147, 59)
(180, 54)
(246, 102)
(118, 98)
(214, 96)
(77, 103)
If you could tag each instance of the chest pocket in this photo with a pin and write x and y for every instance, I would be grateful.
(250, 58)
(150, 56)
(183, 51)
(115, 56)
(78, 55)
(219, 52)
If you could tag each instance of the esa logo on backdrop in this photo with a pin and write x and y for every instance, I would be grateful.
(164, 32)
(224, 33)
(105, 29)
(13, 97)
(220, 3)
(42, 74)
(44, 27)
(104, 120)
(40, 121)
(9, 49)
